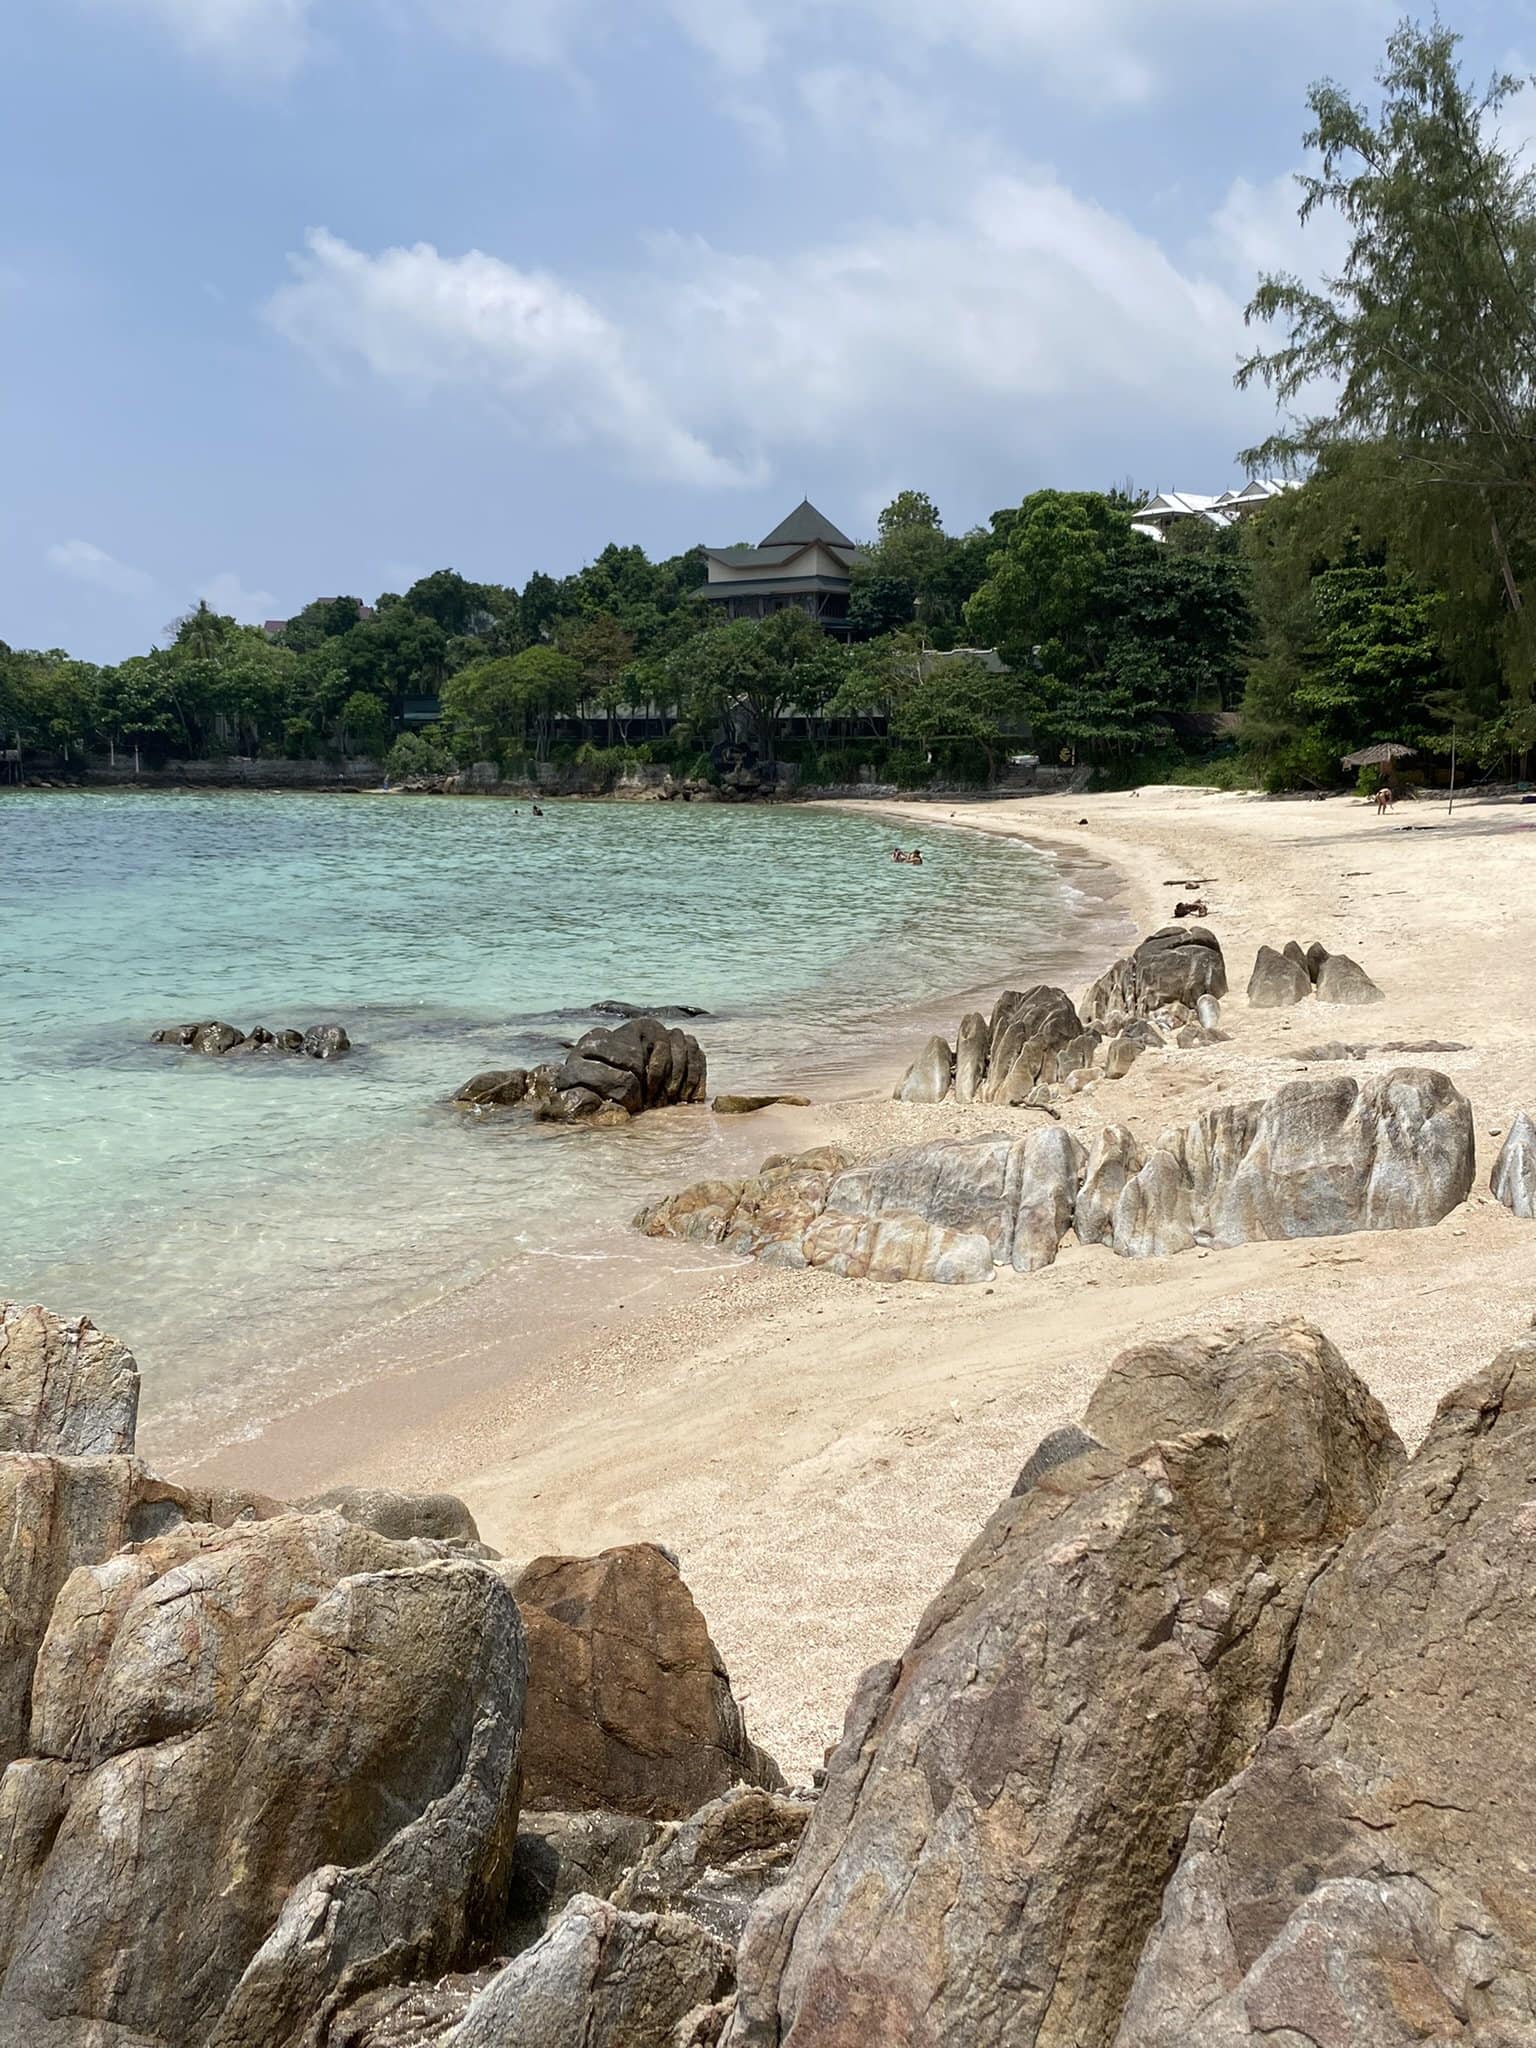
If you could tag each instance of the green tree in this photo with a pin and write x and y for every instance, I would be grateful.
(1424, 342)
(956, 711)
(365, 725)
(327, 618)
(604, 650)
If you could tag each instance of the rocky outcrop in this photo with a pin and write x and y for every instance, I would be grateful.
(1366, 1878)
(1033, 1036)
(268, 1765)
(561, 1854)
(1342, 980)
(1278, 980)
(1321, 1157)
(216, 1040)
(1513, 1180)
(630, 1709)
(946, 1212)
(997, 1824)
(610, 1075)
(1179, 964)
(64, 1386)
(600, 1978)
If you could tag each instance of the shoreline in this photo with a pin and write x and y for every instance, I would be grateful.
(818, 1451)
(392, 1389)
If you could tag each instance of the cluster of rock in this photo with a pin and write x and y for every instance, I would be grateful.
(1215, 1739)
(218, 1041)
(1294, 972)
(264, 1767)
(608, 1076)
(1323, 1156)
(1168, 992)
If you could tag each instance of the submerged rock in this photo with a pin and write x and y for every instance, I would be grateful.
(1366, 1878)
(989, 1850)
(498, 1088)
(747, 1105)
(216, 1040)
(630, 1709)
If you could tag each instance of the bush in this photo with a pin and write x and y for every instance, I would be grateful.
(423, 754)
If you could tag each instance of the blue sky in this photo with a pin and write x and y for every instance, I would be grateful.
(308, 296)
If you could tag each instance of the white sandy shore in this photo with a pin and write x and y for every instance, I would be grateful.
(819, 1451)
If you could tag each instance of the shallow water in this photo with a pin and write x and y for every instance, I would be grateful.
(222, 1215)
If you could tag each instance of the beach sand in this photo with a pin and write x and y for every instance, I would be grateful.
(818, 1451)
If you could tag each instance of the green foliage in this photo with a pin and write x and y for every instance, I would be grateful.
(955, 713)
(365, 725)
(421, 755)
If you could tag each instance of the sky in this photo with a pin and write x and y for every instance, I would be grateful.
(304, 297)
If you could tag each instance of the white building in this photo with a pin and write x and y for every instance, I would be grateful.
(1160, 514)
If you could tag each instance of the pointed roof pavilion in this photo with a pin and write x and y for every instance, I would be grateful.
(803, 526)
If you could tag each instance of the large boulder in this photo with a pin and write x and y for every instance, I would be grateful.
(948, 1211)
(64, 1386)
(1323, 1156)
(930, 1074)
(600, 1978)
(1513, 1180)
(1277, 981)
(1179, 964)
(610, 1075)
(972, 1045)
(1366, 1879)
(630, 1708)
(989, 1850)
(271, 1767)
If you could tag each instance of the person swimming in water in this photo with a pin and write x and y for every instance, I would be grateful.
(915, 857)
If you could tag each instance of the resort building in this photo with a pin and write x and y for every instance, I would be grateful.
(805, 563)
(1160, 514)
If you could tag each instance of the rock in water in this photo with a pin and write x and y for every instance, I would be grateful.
(1514, 1174)
(929, 1076)
(611, 1075)
(630, 1708)
(747, 1105)
(326, 1042)
(1342, 980)
(1276, 981)
(326, 1721)
(1179, 964)
(998, 1821)
(499, 1088)
(64, 1386)
(600, 1978)
(1367, 1878)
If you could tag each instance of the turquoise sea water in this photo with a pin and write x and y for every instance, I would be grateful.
(221, 1215)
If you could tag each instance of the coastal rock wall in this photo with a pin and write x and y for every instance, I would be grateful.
(1323, 1156)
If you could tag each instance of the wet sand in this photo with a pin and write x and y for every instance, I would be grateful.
(818, 1451)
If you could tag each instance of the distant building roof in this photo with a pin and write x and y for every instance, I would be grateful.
(804, 525)
(1161, 511)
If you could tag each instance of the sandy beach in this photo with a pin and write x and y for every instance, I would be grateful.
(818, 1451)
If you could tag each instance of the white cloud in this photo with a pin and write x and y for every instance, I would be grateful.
(226, 593)
(259, 41)
(89, 564)
(426, 321)
(1014, 305)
